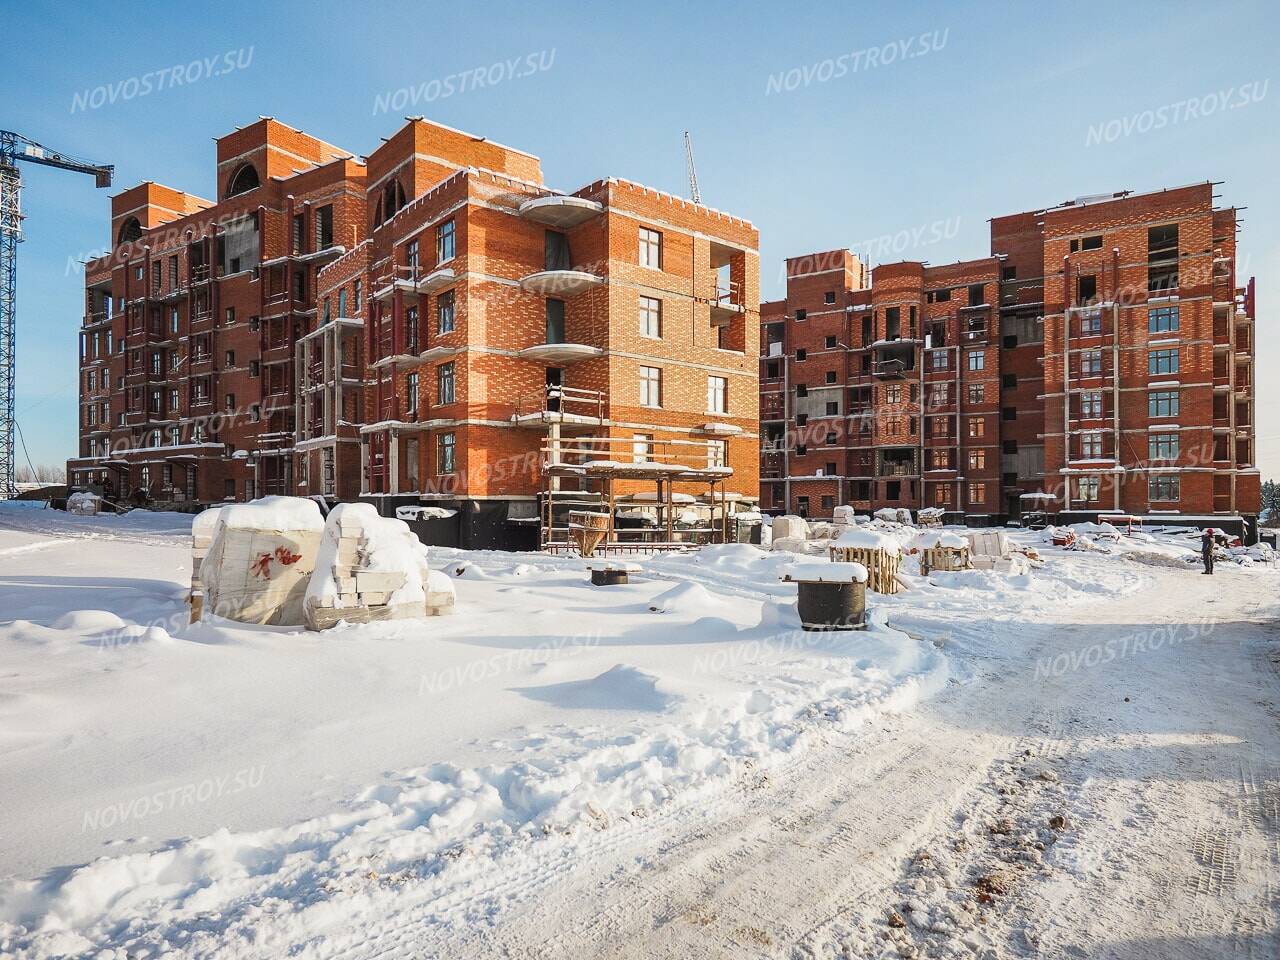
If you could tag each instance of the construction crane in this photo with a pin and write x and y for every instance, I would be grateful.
(694, 195)
(15, 147)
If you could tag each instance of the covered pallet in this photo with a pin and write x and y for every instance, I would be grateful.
(372, 568)
(880, 555)
(940, 550)
(260, 560)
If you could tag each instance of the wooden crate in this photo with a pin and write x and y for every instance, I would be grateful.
(882, 565)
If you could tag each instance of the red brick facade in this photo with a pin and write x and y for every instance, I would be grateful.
(947, 387)
(408, 343)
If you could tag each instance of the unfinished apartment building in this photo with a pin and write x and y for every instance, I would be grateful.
(489, 326)
(427, 325)
(187, 347)
(1099, 362)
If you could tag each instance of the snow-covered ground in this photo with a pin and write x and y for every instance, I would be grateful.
(564, 770)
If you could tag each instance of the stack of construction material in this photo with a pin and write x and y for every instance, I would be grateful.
(202, 530)
(372, 568)
(844, 515)
(259, 560)
(942, 550)
(879, 553)
(84, 504)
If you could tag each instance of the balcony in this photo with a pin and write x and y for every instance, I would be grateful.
(437, 279)
(560, 354)
(559, 211)
(560, 283)
(727, 304)
(890, 369)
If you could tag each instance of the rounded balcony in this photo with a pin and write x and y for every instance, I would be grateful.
(560, 283)
(560, 212)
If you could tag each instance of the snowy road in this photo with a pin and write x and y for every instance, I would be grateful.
(1164, 764)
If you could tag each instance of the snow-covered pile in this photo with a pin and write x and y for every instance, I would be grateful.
(369, 567)
(865, 538)
(260, 559)
(930, 539)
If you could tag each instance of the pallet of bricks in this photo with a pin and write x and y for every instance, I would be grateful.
(373, 559)
(202, 529)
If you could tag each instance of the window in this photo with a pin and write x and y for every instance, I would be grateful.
(324, 227)
(1162, 403)
(977, 427)
(977, 392)
(829, 297)
(650, 317)
(801, 355)
(939, 394)
(833, 408)
(1087, 243)
(801, 449)
(255, 413)
(1088, 488)
(1008, 413)
(802, 389)
(342, 302)
(977, 360)
(772, 370)
(641, 447)
(411, 257)
(173, 319)
(802, 506)
(1162, 446)
(1091, 404)
(445, 244)
(229, 359)
(173, 400)
(356, 292)
(555, 321)
(1090, 363)
(717, 453)
(231, 315)
(411, 393)
(1086, 289)
(939, 459)
(231, 401)
(893, 393)
(445, 383)
(299, 228)
(244, 180)
(1164, 486)
(1162, 259)
(977, 459)
(939, 296)
(941, 496)
(938, 360)
(1091, 446)
(1162, 361)
(1162, 320)
(977, 493)
(444, 312)
(1091, 323)
(802, 314)
(717, 395)
(255, 368)
(828, 503)
(445, 453)
(1008, 273)
(1008, 381)
(976, 295)
(650, 248)
(831, 342)
(650, 387)
(327, 313)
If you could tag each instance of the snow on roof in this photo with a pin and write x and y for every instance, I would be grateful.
(863, 538)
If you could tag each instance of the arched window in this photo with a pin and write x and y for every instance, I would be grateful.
(244, 180)
(130, 230)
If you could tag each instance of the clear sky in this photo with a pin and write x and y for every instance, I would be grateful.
(897, 130)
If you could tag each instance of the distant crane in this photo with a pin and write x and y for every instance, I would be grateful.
(15, 147)
(694, 194)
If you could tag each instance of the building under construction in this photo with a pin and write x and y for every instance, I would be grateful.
(1099, 361)
(429, 326)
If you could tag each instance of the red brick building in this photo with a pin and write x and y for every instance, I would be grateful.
(1103, 354)
(418, 327)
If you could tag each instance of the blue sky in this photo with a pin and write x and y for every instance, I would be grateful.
(812, 123)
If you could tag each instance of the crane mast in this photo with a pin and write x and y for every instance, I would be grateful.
(694, 194)
(15, 147)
